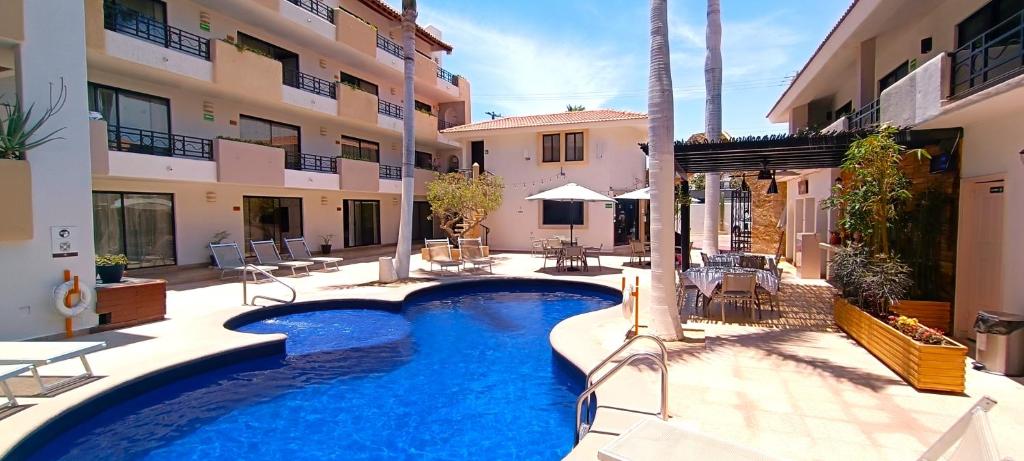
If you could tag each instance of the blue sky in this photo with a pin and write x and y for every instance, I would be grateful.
(536, 56)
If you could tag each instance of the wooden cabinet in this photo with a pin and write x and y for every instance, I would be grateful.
(131, 302)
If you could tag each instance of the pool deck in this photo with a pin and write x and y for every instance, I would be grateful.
(796, 389)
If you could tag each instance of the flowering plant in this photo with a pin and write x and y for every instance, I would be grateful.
(913, 328)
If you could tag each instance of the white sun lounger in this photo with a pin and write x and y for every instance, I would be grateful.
(40, 353)
(228, 258)
(266, 253)
(299, 251)
(10, 371)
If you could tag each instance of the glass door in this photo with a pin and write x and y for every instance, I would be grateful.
(139, 226)
(271, 218)
(362, 222)
(422, 222)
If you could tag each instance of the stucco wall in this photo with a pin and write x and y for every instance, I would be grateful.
(819, 187)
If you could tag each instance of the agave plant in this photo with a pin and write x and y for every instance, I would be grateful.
(19, 129)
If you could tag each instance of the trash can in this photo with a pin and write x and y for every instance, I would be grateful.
(1000, 342)
(386, 273)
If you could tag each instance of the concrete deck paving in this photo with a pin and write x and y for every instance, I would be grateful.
(791, 385)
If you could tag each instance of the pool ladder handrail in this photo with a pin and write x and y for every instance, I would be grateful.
(245, 273)
(661, 360)
(614, 354)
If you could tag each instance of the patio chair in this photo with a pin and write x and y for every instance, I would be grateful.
(266, 253)
(594, 252)
(637, 252)
(752, 262)
(10, 371)
(228, 258)
(40, 353)
(473, 253)
(705, 259)
(299, 251)
(439, 252)
(570, 255)
(536, 247)
(552, 250)
(969, 438)
(738, 288)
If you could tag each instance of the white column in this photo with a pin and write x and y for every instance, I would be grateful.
(53, 49)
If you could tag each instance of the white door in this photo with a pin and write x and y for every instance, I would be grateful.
(984, 254)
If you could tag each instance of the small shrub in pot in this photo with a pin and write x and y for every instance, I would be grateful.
(110, 268)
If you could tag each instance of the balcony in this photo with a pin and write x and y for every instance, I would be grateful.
(246, 73)
(389, 46)
(240, 162)
(422, 177)
(355, 32)
(139, 141)
(991, 58)
(390, 172)
(447, 76)
(389, 109)
(12, 25)
(358, 175)
(357, 105)
(309, 83)
(426, 68)
(309, 162)
(115, 151)
(426, 125)
(866, 117)
(308, 171)
(132, 23)
(443, 124)
(318, 8)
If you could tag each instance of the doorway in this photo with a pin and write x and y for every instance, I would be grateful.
(271, 218)
(627, 218)
(362, 222)
(477, 152)
(422, 222)
(982, 270)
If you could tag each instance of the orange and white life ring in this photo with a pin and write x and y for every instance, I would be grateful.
(628, 303)
(86, 298)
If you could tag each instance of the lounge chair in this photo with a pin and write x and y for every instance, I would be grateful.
(267, 254)
(473, 253)
(637, 252)
(969, 438)
(10, 371)
(228, 258)
(299, 251)
(39, 353)
(440, 253)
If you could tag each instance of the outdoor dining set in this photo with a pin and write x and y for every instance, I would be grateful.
(567, 254)
(734, 278)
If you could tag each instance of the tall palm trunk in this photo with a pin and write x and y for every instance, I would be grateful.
(404, 250)
(665, 321)
(713, 123)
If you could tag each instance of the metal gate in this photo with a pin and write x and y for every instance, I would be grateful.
(741, 218)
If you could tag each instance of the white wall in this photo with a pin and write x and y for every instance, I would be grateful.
(54, 48)
(819, 188)
(613, 162)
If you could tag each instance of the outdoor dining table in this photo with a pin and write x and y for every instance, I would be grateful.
(707, 279)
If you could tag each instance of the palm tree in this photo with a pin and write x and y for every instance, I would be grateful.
(713, 123)
(404, 250)
(665, 321)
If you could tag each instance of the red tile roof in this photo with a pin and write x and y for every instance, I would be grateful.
(386, 10)
(560, 118)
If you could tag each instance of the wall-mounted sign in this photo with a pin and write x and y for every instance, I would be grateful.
(609, 205)
(63, 241)
(802, 187)
(995, 190)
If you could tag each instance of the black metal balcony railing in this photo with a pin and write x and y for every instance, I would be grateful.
(447, 76)
(306, 82)
(390, 172)
(321, 9)
(389, 108)
(149, 142)
(389, 46)
(310, 162)
(866, 117)
(130, 22)
(443, 124)
(990, 58)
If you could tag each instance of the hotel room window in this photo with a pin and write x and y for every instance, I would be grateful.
(574, 147)
(550, 145)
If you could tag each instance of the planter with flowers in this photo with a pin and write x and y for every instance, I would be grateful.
(110, 268)
(872, 278)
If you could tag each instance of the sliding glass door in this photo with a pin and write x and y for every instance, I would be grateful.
(362, 222)
(139, 226)
(271, 218)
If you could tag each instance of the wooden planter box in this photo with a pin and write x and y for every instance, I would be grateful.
(16, 189)
(932, 314)
(924, 366)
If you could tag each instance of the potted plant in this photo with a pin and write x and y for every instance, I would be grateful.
(110, 268)
(325, 243)
(217, 239)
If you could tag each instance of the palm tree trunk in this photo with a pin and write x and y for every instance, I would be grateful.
(665, 321)
(713, 123)
(404, 250)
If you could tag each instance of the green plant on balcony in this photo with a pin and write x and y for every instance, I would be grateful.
(20, 130)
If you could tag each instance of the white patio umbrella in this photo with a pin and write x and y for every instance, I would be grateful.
(571, 193)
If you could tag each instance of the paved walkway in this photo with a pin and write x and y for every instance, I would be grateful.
(790, 385)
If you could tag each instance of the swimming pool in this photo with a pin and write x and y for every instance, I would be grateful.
(460, 372)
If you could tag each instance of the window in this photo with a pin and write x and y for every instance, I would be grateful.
(130, 109)
(844, 110)
(362, 222)
(271, 218)
(555, 213)
(358, 83)
(276, 134)
(573, 147)
(550, 144)
(424, 160)
(139, 226)
(424, 107)
(152, 9)
(360, 149)
(892, 77)
(988, 17)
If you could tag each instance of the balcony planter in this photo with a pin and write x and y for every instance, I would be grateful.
(110, 268)
(16, 189)
(923, 366)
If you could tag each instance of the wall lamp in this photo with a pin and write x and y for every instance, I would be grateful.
(773, 188)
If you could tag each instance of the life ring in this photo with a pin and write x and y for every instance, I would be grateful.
(86, 298)
(628, 303)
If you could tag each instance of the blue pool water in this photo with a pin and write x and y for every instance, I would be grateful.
(460, 373)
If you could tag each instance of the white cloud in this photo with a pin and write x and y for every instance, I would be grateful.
(523, 72)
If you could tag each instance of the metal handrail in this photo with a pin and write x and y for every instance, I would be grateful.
(975, 65)
(585, 396)
(245, 273)
(610, 357)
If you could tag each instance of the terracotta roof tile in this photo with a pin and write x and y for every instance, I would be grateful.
(386, 10)
(560, 118)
